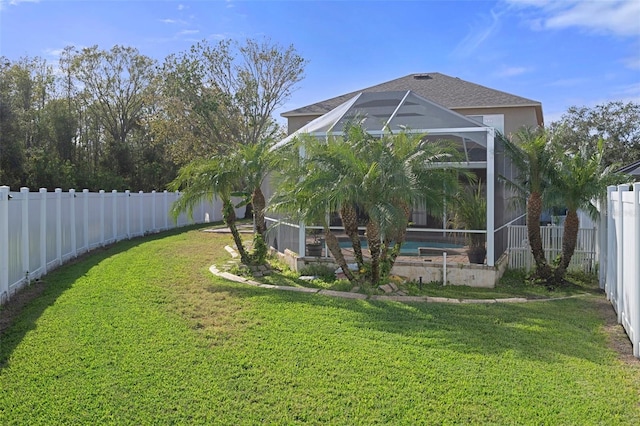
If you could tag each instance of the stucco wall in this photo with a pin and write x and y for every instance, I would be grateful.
(294, 123)
(457, 273)
(514, 117)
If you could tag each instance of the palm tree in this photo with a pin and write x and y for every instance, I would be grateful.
(381, 177)
(580, 180)
(532, 155)
(240, 173)
(256, 161)
(206, 179)
(471, 213)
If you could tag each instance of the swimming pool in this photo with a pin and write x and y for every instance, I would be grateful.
(410, 248)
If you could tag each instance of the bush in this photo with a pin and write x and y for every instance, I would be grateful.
(324, 272)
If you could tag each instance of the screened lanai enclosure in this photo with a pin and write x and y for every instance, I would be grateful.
(480, 151)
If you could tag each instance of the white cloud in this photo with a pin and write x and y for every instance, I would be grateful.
(512, 71)
(4, 3)
(53, 52)
(181, 7)
(632, 62)
(628, 93)
(478, 34)
(568, 82)
(17, 2)
(617, 17)
(188, 32)
(218, 36)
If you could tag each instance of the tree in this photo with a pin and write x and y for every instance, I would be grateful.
(382, 177)
(531, 154)
(114, 91)
(222, 96)
(238, 174)
(616, 123)
(581, 178)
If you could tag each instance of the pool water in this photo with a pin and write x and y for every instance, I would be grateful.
(410, 248)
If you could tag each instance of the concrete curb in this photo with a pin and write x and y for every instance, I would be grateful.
(404, 299)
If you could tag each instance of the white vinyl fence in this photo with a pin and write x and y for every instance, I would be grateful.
(620, 258)
(520, 257)
(42, 230)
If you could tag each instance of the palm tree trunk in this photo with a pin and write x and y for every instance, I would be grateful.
(259, 204)
(569, 240)
(349, 218)
(534, 209)
(334, 247)
(229, 215)
(400, 237)
(373, 239)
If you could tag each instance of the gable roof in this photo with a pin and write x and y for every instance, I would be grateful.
(632, 169)
(450, 92)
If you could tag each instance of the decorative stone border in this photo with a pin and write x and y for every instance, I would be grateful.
(348, 295)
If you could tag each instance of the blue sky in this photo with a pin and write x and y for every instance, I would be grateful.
(559, 52)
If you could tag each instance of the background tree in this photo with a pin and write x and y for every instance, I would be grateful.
(114, 85)
(224, 95)
(616, 123)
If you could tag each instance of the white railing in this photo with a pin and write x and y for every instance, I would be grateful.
(520, 257)
(42, 230)
(620, 258)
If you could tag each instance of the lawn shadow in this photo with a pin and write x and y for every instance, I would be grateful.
(21, 313)
(542, 330)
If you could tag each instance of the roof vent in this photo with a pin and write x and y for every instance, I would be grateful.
(422, 77)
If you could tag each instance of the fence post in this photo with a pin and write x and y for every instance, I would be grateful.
(141, 195)
(153, 211)
(43, 231)
(114, 213)
(620, 253)
(101, 217)
(127, 203)
(25, 232)
(166, 210)
(636, 317)
(72, 217)
(85, 219)
(58, 192)
(4, 244)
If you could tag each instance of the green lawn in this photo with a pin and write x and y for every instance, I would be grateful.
(142, 333)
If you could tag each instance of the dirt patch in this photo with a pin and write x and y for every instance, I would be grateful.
(10, 311)
(618, 339)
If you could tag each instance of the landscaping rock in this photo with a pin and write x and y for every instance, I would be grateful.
(344, 294)
(386, 288)
(399, 298)
(355, 289)
(393, 286)
(512, 300)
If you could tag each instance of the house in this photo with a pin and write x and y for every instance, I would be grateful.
(441, 107)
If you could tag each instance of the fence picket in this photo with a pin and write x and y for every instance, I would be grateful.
(520, 256)
(42, 230)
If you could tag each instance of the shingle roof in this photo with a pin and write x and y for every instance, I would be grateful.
(450, 92)
(633, 169)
